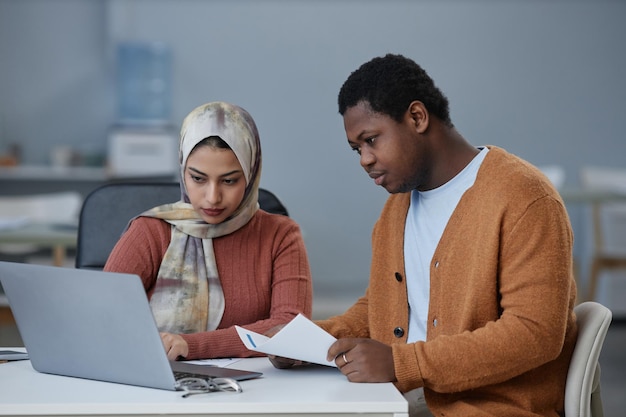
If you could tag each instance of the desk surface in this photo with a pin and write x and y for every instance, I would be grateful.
(315, 390)
(41, 234)
(58, 237)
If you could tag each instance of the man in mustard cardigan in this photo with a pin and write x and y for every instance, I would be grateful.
(469, 309)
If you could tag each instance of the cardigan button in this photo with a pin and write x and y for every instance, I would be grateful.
(436, 264)
(398, 332)
(435, 323)
(398, 277)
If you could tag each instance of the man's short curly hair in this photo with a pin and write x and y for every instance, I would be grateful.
(389, 84)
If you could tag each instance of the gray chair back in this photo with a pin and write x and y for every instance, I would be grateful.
(106, 211)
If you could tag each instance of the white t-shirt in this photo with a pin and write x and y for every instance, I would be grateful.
(428, 216)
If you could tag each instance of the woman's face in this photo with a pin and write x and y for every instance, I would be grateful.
(215, 183)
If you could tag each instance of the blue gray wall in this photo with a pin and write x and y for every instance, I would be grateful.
(543, 79)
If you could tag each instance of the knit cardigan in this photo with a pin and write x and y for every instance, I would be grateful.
(501, 327)
(263, 268)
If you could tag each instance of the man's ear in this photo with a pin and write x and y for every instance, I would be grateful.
(418, 115)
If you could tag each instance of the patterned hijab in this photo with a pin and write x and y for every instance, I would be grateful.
(188, 296)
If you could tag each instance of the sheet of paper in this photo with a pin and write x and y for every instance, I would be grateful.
(12, 355)
(221, 362)
(301, 339)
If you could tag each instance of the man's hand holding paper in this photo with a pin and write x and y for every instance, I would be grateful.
(300, 340)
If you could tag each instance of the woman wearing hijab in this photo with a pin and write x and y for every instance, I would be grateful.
(214, 260)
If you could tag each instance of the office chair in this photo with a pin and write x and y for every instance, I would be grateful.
(609, 221)
(107, 210)
(582, 389)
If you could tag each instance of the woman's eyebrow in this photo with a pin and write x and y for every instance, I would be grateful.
(197, 171)
(235, 171)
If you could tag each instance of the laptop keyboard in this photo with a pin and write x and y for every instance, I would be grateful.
(180, 375)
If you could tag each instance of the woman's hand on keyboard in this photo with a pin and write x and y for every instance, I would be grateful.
(175, 346)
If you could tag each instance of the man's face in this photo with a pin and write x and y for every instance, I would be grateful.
(393, 153)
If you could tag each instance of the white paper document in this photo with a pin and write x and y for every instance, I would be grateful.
(13, 354)
(219, 362)
(301, 339)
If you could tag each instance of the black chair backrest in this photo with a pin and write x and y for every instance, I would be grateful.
(107, 210)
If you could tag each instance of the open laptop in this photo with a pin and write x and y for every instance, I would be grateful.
(95, 325)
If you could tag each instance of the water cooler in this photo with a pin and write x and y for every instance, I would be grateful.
(143, 142)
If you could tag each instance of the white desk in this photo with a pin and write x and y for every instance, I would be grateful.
(307, 391)
(58, 237)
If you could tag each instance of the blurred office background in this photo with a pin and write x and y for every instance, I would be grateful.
(542, 79)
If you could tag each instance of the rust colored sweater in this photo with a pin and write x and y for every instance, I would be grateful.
(501, 327)
(263, 268)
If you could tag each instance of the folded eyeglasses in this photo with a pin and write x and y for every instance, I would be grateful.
(193, 386)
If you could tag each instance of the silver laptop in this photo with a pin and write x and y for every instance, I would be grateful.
(95, 325)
